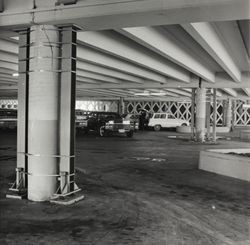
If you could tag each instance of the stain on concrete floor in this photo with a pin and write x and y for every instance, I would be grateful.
(132, 201)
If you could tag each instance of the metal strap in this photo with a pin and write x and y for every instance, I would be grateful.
(41, 155)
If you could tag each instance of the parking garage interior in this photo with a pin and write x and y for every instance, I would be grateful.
(185, 62)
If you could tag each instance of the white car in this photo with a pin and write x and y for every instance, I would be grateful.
(165, 120)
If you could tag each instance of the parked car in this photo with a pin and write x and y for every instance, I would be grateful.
(110, 122)
(165, 120)
(81, 120)
(133, 118)
(8, 118)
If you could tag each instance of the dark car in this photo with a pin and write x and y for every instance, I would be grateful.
(109, 122)
(81, 119)
(8, 119)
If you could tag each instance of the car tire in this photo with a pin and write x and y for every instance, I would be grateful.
(102, 131)
(184, 124)
(130, 134)
(157, 127)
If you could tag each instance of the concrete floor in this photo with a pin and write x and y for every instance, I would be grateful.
(145, 190)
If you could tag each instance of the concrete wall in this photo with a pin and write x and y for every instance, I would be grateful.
(217, 161)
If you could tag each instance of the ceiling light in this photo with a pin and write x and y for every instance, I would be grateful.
(142, 94)
(159, 94)
(147, 93)
(15, 74)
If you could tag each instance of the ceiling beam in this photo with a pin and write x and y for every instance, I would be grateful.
(207, 36)
(98, 77)
(123, 48)
(7, 46)
(84, 80)
(233, 36)
(93, 15)
(8, 65)
(179, 92)
(102, 59)
(231, 92)
(164, 43)
(246, 91)
(9, 57)
(97, 69)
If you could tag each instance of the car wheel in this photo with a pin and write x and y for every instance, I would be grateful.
(184, 124)
(157, 127)
(130, 134)
(102, 131)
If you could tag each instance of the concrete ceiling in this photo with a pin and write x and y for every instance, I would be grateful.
(163, 58)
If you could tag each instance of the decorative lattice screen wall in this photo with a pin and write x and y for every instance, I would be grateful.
(179, 109)
(8, 104)
(241, 114)
(183, 110)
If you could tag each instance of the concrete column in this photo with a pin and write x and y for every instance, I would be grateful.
(224, 112)
(23, 88)
(192, 113)
(67, 102)
(214, 114)
(233, 114)
(229, 113)
(200, 114)
(208, 112)
(46, 113)
(43, 114)
(121, 106)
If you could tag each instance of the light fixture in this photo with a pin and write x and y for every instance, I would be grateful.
(144, 93)
(147, 93)
(159, 94)
(15, 74)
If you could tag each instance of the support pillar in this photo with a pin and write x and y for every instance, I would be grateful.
(224, 112)
(46, 116)
(233, 114)
(23, 101)
(200, 114)
(121, 106)
(214, 114)
(229, 113)
(193, 114)
(208, 112)
(43, 112)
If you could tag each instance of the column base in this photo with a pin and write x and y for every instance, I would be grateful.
(20, 194)
(68, 200)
